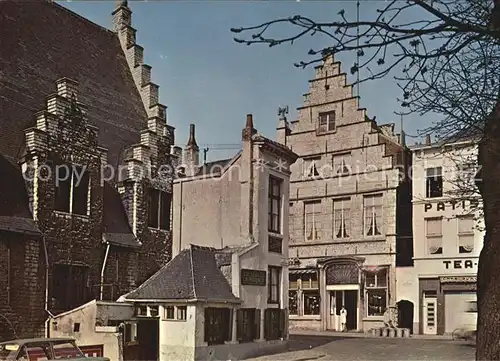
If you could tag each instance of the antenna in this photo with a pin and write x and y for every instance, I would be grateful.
(357, 46)
(205, 151)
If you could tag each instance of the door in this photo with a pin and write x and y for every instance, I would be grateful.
(148, 339)
(351, 305)
(430, 316)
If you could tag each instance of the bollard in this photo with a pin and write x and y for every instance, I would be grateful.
(392, 332)
(406, 332)
(400, 332)
(385, 332)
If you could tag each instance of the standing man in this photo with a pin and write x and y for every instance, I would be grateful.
(343, 319)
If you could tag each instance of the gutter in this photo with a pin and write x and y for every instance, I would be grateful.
(103, 269)
(46, 306)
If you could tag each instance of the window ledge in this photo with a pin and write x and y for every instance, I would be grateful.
(305, 318)
(275, 235)
(318, 132)
(373, 318)
(71, 215)
(158, 229)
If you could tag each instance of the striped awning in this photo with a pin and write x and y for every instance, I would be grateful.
(303, 271)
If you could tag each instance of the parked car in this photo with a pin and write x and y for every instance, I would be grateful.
(41, 349)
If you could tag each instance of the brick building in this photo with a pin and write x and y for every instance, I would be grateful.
(349, 208)
(85, 182)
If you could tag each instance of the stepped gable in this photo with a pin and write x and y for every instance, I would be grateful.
(61, 44)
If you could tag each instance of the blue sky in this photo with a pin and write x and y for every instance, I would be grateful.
(208, 79)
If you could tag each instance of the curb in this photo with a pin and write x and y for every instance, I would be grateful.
(366, 335)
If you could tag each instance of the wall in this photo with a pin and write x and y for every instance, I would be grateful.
(178, 338)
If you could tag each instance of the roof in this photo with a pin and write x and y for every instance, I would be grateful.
(117, 229)
(191, 275)
(470, 133)
(276, 147)
(15, 215)
(22, 341)
(214, 167)
(48, 42)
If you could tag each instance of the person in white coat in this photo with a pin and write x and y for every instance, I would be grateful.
(343, 319)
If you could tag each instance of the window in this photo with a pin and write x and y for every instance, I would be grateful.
(275, 245)
(274, 323)
(341, 218)
(465, 234)
(373, 215)
(169, 313)
(326, 122)
(433, 182)
(38, 351)
(71, 189)
(274, 197)
(312, 216)
(65, 350)
(248, 324)
(274, 274)
(376, 292)
(342, 164)
(303, 294)
(466, 174)
(218, 325)
(311, 165)
(159, 209)
(434, 235)
(69, 286)
(182, 313)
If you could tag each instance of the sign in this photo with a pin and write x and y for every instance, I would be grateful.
(453, 204)
(460, 263)
(251, 277)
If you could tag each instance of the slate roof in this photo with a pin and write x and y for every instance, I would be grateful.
(15, 215)
(47, 42)
(191, 275)
(117, 229)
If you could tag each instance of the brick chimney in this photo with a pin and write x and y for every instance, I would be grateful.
(428, 139)
(249, 130)
(191, 153)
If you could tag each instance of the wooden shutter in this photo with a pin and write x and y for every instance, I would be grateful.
(229, 323)
(282, 322)
(257, 324)
(267, 319)
(239, 324)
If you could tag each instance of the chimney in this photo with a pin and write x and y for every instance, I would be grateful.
(246, 134)
(191, 153)
(428, 139)
(283, 129)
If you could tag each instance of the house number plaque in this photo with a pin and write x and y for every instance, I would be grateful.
(251, 277)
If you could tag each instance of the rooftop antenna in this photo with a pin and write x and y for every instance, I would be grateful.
(357, 46)
(205, 151)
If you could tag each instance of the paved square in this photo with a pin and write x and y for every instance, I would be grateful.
(310, 348)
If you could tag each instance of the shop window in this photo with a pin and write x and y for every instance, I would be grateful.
(274, 274)
(465, 234)
(433, 182)
(159, 209)
(311, 302)
(373, 215)
(376, 292)
(293, 304)
(303, 294)
(274, 323)
(434, 235)
(341, 218)
(248, 324)
(218, 325)
(312, 217)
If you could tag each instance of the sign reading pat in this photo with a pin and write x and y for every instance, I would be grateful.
(251, 277)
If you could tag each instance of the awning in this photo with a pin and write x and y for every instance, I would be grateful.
(374, 269)
(303, 271)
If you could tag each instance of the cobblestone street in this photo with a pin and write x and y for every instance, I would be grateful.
(309, 348)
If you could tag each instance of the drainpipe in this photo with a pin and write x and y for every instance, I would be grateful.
(103, 269)
(46, 306)
(180, 220)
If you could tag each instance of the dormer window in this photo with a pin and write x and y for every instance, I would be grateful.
(159, 209)
(72, 189)
(326, 122)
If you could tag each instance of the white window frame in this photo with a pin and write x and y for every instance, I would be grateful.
(344, 166)
(373, 208)
(315, 203)
(466, 234)
(310, 166)
(433, 236)
(345, 224)
(325, 128)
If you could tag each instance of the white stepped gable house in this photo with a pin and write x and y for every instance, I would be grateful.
(448, 236)
(349, 208)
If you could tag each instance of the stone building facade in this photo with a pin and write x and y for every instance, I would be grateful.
(86, 182)
(349, 208)
(440, 289)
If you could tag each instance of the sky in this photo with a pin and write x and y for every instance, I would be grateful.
(208, 79)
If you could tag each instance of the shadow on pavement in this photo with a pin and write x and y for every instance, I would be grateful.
(303, 342)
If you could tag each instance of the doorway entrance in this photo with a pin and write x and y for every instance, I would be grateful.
(349, 300)
(430, 316)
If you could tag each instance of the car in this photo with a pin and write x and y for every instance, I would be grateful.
(41, 349)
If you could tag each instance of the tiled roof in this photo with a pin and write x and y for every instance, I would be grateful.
(47, 42)
(117, 229)
(191, 275)
(15, 215)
